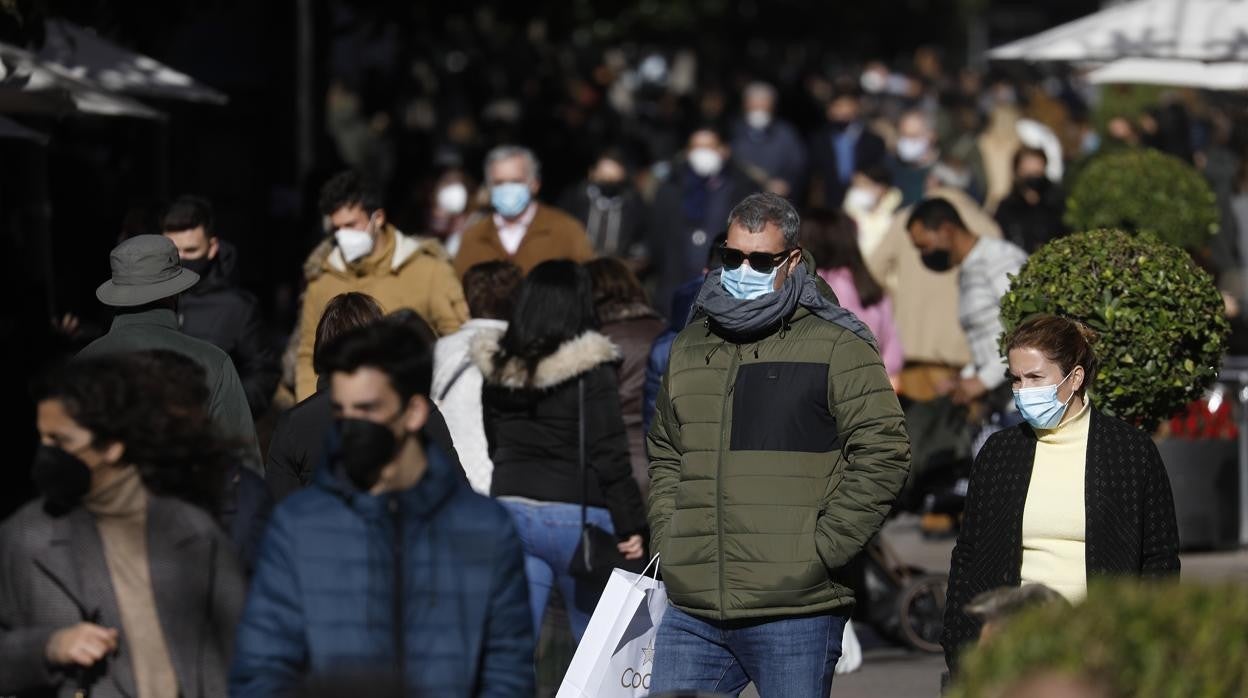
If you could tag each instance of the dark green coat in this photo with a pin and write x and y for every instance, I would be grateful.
(771, 466)
(158, 329)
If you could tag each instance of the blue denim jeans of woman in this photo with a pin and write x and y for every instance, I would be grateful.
(784, 657)
(549, 533)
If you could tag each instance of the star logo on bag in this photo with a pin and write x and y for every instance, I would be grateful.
(647, 655)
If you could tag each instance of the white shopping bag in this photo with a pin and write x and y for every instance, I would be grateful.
(616, 653)
(851, 651)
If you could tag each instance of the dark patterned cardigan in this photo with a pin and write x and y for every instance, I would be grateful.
(1131, 528)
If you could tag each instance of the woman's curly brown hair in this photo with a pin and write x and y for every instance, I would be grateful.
(155, 403)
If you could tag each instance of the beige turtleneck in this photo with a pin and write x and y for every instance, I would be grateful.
(120, 510)
(1054, 519)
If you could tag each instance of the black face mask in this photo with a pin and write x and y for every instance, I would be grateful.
(839, 126)
(199, 266)
(938, 260)
(365, 448)
(61, 477)
(1040, 185)
(610, 190)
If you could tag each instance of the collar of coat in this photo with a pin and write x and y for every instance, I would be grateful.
(326, 257)
(571, 359)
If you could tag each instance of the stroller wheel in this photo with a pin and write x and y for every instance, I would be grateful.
(921, 610)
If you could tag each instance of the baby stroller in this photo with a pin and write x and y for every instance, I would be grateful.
(903, 603)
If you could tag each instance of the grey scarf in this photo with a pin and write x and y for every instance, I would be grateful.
(749, 320)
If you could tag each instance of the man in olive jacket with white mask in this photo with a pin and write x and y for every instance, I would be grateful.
(777, 449)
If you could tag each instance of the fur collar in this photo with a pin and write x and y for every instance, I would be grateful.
(571, 359)
(627, 311)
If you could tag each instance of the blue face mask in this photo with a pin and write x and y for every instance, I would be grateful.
(510, 198)
(743, 283)
(1040, 406)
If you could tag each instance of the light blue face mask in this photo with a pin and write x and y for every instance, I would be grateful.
(743, 283)
(1040, 406)
(510, 198)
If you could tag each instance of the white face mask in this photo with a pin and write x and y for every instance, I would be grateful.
(861, 199)
(705, 162)
(758, 119)
(353, 243)
(453, 198)
(911, 148)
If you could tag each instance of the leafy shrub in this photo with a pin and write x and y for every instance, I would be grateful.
(1161, 319)
(1133, 639)
(1143, 190)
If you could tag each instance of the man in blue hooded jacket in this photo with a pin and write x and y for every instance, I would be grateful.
(389, 570)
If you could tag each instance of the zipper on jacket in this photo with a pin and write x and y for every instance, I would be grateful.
(725, 427)
(398, 621)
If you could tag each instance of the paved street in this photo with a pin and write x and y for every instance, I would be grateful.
(888, 672)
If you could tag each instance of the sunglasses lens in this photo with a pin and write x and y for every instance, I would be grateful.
(730, 257)
(762, 262)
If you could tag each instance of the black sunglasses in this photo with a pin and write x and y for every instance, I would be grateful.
(761, 262)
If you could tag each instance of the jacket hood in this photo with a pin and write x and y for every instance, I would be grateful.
(573, 358)
(424, 499)
(327, 258)
(224, 270)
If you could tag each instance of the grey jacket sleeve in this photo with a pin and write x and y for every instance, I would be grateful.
(23, 663)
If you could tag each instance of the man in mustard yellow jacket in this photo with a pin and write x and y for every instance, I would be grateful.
(369, 255)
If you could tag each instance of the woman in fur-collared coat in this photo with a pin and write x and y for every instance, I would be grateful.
(549, 367)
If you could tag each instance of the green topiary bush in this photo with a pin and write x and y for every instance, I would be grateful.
(1143, 190)
(1130, 638)
(1161, 319)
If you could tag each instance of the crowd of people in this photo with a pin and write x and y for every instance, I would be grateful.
(740, 361)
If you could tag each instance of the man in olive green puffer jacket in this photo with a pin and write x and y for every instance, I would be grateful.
(777, 449)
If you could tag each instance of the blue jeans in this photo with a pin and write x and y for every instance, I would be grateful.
(549, 533)
(784, 657)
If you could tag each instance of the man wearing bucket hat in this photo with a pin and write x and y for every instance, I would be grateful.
(146, 280)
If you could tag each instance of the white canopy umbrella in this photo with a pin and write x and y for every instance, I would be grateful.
(29, 85)
(1173, 72)
(13, 130)
(82, 53)
(1201, 30)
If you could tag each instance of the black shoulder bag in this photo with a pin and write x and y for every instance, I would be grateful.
(596, 554)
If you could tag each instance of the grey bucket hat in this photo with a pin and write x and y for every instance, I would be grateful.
(145, 269)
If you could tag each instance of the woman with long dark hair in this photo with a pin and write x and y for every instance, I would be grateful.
(117, 581)
(832, 238)
(549, 379)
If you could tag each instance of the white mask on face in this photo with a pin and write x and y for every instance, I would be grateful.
(705, 162)
(861, 199)
(911, 149)
(453, 198)
(758, 119)
(353, 243)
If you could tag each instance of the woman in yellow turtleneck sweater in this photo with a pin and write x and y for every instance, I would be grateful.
(1068, 495)
(113, 582)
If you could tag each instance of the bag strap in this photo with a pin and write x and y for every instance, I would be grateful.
(455, 377)
(654, 561)
(580, 448)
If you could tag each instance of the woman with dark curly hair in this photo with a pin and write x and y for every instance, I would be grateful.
(117, 581)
